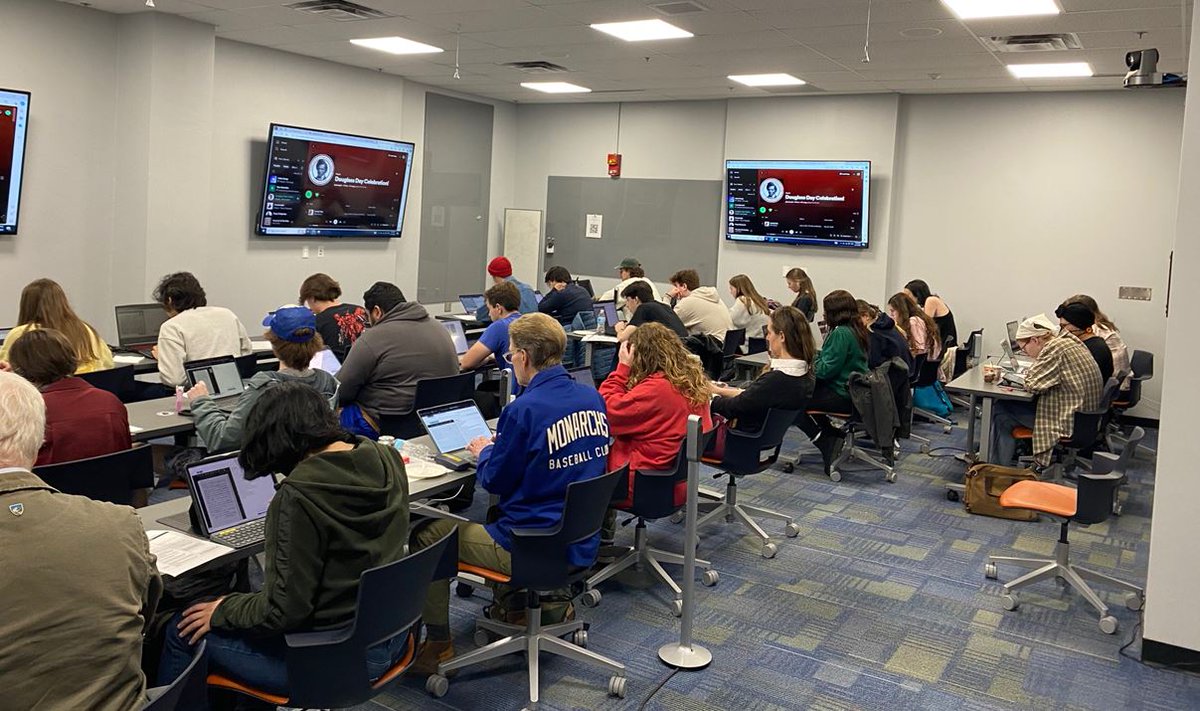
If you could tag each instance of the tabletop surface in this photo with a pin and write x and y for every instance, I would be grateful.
(972, 383)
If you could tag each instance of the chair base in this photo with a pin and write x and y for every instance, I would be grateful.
(531, 639)
(932, 417)
(729, 509)
(851, 450)
(645, 557)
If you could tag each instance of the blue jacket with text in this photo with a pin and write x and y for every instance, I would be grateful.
(555, 433)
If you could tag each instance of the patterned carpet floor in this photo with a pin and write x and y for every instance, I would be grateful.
(879, 603)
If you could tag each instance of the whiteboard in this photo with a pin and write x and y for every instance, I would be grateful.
(523, 243)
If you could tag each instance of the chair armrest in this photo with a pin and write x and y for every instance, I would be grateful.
(300, 640)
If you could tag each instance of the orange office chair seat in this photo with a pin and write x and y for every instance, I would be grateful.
(1019, 432)
(1053, 499)
(492, 576)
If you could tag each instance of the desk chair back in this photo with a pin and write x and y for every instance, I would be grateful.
(734, 339)
(1142, 364)
(926, 371)
(540, 555)
(109, 477)
(189, 691)
(755, 345)
(753, 452)
(118, 381)
(430, 392)
(1094, 495)
(247, 365)
(1132, 441)
(654, 492)
(914, 377)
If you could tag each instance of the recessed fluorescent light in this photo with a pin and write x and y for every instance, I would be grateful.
(1048, 71)
(396, 45)
(978, 9)
(767, 79)
(640, 30)
(555, 87)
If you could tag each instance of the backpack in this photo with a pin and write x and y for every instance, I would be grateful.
(932, 398)
(986, 482)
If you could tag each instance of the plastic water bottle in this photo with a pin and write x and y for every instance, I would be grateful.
(601, 323)
(178, 399)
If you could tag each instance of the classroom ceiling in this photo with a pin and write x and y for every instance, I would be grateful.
(916, 46)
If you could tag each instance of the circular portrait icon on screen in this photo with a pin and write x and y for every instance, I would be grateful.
(771, 190)
(320, 170)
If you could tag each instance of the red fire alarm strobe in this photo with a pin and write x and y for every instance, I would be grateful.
(614, 165)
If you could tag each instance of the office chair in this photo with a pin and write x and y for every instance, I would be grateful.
(918, 363)
(539, 564)
(118, 381)
(755, 345)
(1142, 365)
(1090, 503)
(1132, 441)
(964, 360)
(430, 392)
(1086, 429)
(189, 691)
(748, 453)
(927, 375)
(108, 477)
(654, 497)
(732, 348)
(328, 669)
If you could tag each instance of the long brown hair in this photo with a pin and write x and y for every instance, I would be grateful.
(792, 324)
(657, 349)
(907, 308)
(797, 274)
(44, 304)
(1089, 302)
(841, 309)
(745, 288)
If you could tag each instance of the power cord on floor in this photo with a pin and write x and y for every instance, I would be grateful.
(661, 684)
(1185, 666)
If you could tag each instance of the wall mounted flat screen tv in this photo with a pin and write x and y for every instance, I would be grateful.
(798, 202)
(14, 123)
(327, 184)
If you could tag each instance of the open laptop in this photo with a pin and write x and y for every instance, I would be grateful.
(1012, 334)
(583, 376)
(1014, 370)
(227, 508)
(451, 427)
(609, 309)
(455, 329)
(4, 333)
(471, 303)
(220, 375)
(538, 296)
(587, 286)
(325, 360)
(137, 327)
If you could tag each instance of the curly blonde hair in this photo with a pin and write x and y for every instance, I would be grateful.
(657, 349)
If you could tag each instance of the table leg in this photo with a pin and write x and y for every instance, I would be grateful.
(985, 431)
(971, 456)
(587, 353)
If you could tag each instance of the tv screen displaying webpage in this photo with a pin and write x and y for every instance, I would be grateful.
(327, 184)
(798, 202)
(14, 123)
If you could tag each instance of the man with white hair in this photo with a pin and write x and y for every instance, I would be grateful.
(77, 580)
(1065, 378)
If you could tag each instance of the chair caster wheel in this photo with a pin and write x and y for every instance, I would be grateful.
(951, 495)
(924, 449)
(677, 517)
(769, 550)
(791, 530)
(437, 686)
(710, 578)
(482, 638)
(464, 590)
(677, 608)
(835, 475)
(1010, 602)
(947, 429)
(591, 598)
(1108, 624)
(1117, 509)
(891, 477)
(1134, 601)
(616, 687)
(789, 468)
(989, 571)
(579, 638)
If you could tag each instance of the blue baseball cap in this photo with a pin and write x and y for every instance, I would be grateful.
(290, 322)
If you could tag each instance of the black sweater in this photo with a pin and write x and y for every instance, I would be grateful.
(564, 304)
(887, 343)
(1103, 356)
(773, 389)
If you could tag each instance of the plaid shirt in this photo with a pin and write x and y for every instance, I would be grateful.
(1066, 379)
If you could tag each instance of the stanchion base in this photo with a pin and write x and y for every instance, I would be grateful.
(681, 657)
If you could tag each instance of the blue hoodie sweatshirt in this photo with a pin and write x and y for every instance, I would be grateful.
(555, 433)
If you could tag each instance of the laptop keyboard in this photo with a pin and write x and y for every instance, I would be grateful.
(247, 534)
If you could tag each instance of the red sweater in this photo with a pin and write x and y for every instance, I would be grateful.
(82, 421)
(648, 424)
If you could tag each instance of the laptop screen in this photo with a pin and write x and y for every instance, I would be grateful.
(219, 374)
(4, 334)
(587, 286)
(455, 329)
(224, 496)
(583, 376)
(137, 324)
(452, 426)
(470, 302)
(1012, 333)
(609, 309)
(538, 296)
(325, 360)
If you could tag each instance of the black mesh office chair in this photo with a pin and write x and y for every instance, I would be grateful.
(109, 477)
(431, 392)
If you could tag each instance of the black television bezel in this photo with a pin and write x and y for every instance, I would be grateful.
(325, 232)
(16, 226)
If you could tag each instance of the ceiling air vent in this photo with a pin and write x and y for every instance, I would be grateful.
(536, 67)
(678, 8)
(339, 10)
(1034, 43)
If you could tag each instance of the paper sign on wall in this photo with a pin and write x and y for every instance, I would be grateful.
(595, 226)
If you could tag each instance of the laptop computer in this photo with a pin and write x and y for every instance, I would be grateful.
(583, 376)
(227, 508)
(4, 333)
(455, 329)
(451, 428)
(325, 360)
(220, 375)
(587, 286)
(1014, 370)
(1012, 334)
(609, 309)
(538, 296)
(471, 303)
(137, 327)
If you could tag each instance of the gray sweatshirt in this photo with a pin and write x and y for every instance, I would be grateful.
(221, 431)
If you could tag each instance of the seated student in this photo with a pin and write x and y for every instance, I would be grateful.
(380, 374)
(631, 272)
(44, 305)
(1078, 320)
(566, 299)
(699, 307)
(750, 310)
(193, 330)
(339, 324)
(500, 269)
(539, 449)
(77, 580)
(292, 333)
(503, 303)
(806, 296)
(644, 308)
(843, 352)
(1103, 327)
(886, 342)
(81, 421)
(341, 509)
(787, 381)
(919, 329)
(935, 308)
(1065, 378)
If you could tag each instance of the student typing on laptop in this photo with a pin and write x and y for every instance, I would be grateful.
(194, 330)
(342, 508)
(292, 333)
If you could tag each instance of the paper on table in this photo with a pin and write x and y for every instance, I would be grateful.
(134, 429)
(178, 553)
(257, 346)
(128, 359)
(599, 338)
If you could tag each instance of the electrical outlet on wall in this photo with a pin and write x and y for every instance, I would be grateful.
(304, 252)
(320, 252)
